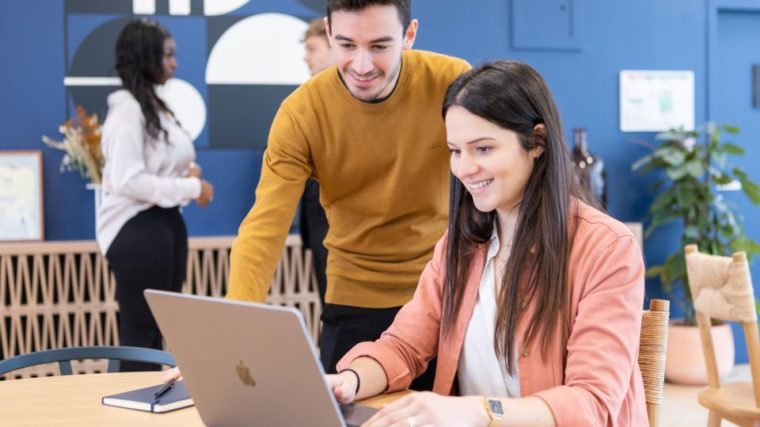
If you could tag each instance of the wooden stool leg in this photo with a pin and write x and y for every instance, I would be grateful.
(713, 420)
(654, 417)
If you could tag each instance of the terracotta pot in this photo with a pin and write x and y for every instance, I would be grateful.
(685, 362)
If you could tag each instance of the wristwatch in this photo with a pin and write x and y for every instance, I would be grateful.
(494, 409)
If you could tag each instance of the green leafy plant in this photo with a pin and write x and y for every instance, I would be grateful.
(694, 164)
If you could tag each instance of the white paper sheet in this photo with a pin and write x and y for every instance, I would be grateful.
(656, 100)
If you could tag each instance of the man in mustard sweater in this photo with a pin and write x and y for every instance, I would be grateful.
(370, 131)
(313, 221)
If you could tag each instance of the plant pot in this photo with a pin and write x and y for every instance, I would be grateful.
(685, 361)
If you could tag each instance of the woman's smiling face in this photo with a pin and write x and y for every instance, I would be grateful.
(489, 160)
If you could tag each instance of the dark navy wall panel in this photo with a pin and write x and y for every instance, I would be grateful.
(234, 174)
(32, 104)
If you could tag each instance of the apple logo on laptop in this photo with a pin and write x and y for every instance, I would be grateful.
(244, 374)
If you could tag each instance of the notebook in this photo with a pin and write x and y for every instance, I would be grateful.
(144, 399)
(248, 364)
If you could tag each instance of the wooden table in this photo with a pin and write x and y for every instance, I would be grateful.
(74, 400)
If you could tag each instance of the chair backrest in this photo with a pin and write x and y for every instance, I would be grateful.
(652, 347)
(64, 356)
(721, 288)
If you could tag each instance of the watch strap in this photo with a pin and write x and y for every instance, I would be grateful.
(494, 409)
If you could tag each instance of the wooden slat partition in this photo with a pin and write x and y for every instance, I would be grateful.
(61, 294)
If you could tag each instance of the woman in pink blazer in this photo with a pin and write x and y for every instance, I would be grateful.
(532, 301)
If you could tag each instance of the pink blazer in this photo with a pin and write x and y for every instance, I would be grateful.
(601, 383)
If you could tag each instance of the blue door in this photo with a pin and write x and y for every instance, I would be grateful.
(735, 48)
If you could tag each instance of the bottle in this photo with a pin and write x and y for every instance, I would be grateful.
(590, 168)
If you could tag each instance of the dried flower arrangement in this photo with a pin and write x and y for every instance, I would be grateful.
(81, 143)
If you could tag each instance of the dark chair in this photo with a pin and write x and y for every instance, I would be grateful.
(64, 356)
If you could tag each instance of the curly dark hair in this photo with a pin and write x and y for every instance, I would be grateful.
(139, 56)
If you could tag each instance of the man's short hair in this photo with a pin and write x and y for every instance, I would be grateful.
(316, 29)
(404, 8)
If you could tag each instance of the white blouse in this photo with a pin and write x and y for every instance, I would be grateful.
(481, 372)
(140, 171)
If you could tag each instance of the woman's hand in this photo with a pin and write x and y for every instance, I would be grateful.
(194, 170)
(207, 194)
(171, 374)
(207, 190)
(343, 385)
(430, 409)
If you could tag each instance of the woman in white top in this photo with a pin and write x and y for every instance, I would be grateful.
(149, 174)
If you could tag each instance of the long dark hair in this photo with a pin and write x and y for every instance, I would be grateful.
(139, 56)
(514, 96)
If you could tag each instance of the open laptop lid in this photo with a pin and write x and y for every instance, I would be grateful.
(245, 363)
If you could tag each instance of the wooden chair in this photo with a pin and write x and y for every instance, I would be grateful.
(64, 356)
(722, 289)
(652, 346)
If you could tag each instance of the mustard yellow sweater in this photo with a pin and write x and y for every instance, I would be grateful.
(383, 171)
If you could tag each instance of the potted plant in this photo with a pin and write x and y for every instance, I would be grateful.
(695, 163)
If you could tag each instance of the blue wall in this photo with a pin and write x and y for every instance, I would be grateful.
(611, 36)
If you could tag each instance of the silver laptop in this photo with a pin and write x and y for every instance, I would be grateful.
(248, 364)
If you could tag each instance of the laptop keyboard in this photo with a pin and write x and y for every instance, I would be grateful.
(355, 415)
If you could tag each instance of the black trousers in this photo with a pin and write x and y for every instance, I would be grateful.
(313, 227)
(149, 252)
(343, 327)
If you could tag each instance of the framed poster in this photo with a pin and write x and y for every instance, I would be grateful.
(656, 100)
(21, 215)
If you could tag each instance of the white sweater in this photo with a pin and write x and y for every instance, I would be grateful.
(140, 171)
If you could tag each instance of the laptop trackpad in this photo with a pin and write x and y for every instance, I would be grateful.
(356, 415)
